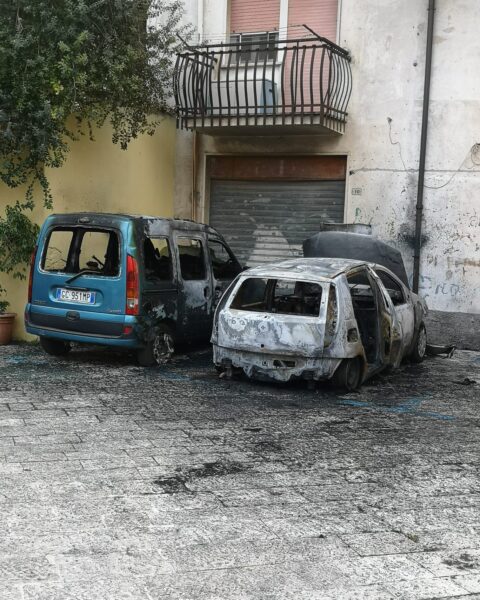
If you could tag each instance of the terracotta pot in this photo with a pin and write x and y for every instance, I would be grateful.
(6, 327)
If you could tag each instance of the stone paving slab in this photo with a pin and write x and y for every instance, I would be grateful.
(119, 482)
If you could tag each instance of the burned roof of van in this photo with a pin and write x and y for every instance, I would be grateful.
(340, 244)
(324, 268)
(153, 225)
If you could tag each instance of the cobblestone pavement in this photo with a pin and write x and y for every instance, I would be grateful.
(119, 482)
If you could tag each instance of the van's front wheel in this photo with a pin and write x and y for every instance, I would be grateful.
(55, 347)
(157, 351)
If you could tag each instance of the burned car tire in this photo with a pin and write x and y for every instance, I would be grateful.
(348, 376)
(55, 347)
(420, 347)
(158, 350)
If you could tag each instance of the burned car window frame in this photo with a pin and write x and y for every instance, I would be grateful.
(72, 265)
(153, 277)
(268, 301)
(401, 288)
(232, 260)
(185, 236)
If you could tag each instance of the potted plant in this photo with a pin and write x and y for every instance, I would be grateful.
(6, 321)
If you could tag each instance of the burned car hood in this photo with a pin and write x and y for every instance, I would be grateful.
(339, 244)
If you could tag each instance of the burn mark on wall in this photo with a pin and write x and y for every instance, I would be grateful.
(406, 234)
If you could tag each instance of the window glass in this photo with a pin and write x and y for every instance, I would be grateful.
(224, 264)
(157, 259)
(255, 46)
(93, 250)
(252, 295)
(76, 249)
(192, 261)
(394, 289)
(57, 251)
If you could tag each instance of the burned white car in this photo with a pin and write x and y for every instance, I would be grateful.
(318, 319)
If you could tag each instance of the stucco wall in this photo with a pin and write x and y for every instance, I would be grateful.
(387, 41)
(99, 176)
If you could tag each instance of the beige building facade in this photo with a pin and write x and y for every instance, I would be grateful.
(99, 176)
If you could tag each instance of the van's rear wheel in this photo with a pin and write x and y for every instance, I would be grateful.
(55, 347)
(159, 350)
(348, 375)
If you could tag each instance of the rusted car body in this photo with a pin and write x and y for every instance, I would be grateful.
(317, 319)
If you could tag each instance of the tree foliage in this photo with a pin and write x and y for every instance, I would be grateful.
(95, 59)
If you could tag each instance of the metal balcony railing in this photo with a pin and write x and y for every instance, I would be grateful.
(297, 82)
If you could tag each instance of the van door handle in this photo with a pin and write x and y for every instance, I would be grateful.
(205, 291)
(72, 315)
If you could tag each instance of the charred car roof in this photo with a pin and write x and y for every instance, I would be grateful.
(152, 225)
(324, 268)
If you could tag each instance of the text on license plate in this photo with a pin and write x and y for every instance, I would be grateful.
(75, 296)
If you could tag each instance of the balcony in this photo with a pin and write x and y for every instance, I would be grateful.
(275, 86)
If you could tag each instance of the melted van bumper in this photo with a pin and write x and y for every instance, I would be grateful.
(82, 327)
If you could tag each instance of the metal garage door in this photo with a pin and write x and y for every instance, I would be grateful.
(268, 220)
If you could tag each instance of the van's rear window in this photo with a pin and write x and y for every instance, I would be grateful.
(281, 296)
(75, 249)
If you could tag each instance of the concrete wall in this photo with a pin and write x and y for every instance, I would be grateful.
(387, 41)
(99, 176)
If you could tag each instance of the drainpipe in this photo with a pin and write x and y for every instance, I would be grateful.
(423, 148)
(194, 174)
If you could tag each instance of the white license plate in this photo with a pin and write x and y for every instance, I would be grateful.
(80, 297)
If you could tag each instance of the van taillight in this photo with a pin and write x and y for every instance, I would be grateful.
(132, 286)
(30, 277)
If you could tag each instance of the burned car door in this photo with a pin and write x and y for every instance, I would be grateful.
(159, 289)
(224, 267)
(400, 298)
(378, 325)
(391, 333)
(195, 306)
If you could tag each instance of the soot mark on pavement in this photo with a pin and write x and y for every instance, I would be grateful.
(408, 406)
(268, 446)
(178, 483)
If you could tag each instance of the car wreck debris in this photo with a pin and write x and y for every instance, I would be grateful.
(318, 319)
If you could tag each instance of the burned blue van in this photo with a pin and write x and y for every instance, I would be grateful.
(135, 282)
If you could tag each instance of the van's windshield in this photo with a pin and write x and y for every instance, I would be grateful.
(70, 250)
(281, 296)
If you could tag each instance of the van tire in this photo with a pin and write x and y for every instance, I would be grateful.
(159, 350)
(348, 375)
(55, 347)
(420, 347)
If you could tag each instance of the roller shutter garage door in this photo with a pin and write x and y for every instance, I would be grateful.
(265, 221)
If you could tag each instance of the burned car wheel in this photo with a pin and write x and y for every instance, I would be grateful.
(158, 350)
(420, 348)
(348, 376)
(55, 347)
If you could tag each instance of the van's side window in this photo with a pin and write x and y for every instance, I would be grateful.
(192, 260)
(157, 259)
(58, 250)
(224, 264)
